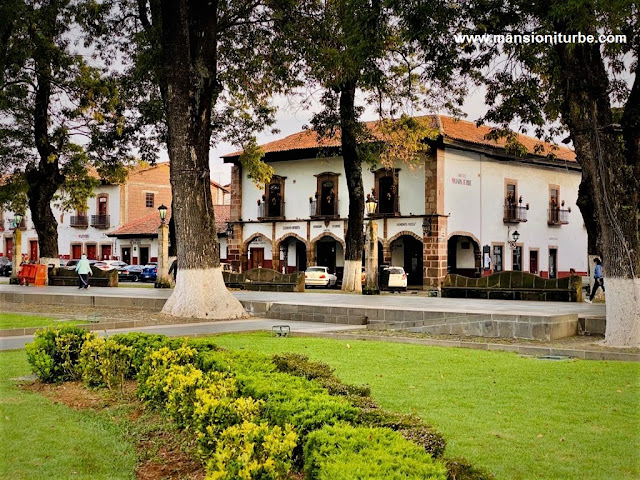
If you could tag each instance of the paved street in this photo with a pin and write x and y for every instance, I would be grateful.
(405, 301)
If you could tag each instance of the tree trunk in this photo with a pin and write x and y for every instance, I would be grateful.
(188, 41)
(613, 173)
(44, 179)
(352, 276)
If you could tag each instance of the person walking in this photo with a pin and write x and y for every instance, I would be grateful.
(598, 280)
(84, 270)
(174, 269)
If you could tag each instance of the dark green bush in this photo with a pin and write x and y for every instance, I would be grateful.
(299, 365)
(53, 354)
(461, 469)
(410, 427)
(367, 453)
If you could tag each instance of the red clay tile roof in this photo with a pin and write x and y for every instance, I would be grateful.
(450, 128)
(148, 225)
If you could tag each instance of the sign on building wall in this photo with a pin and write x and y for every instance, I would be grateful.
(461, 179)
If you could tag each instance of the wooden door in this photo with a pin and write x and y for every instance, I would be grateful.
(106, 252)
(33, 250)
(8, 250)
(257, 258)
(91, 252)
(76, 251)
(126, 255)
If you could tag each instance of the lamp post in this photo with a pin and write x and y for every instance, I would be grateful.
(17, 249)
(162, 280)
(371, 255)
(513, 240)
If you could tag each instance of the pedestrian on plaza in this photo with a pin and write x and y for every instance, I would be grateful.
(598, 280)
(84, 270)
(174, 269)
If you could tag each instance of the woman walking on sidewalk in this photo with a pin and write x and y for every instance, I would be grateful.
(84, 270)
(598, 279)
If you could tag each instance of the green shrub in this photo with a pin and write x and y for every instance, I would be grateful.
(410, 427)
(218, 407)
(154, 369)
(180, 385)
(142, 344)
(299, 365)
(461, 469)
(367, 453)
(252, 452)
(53, 354)
(105, 363)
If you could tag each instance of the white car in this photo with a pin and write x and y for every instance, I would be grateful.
(110, 264)
(397, 278)
(319, 277)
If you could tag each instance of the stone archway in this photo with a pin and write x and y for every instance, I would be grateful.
(408, 252)
(248, 261)
(301, 252)
(464, 254)
(314, 255)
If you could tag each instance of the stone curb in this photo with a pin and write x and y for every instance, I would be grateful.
(521, 349)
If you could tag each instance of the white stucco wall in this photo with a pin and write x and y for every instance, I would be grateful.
(474, 199)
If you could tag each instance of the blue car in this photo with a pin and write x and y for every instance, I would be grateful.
(149, 273)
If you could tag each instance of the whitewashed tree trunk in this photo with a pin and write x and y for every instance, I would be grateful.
(623, 308)
(201, 293)
(352, 276)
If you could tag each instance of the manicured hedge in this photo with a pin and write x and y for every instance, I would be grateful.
(267, 409)
(367, 453)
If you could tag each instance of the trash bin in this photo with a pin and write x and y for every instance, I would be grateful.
(383, 280)
(40, 277)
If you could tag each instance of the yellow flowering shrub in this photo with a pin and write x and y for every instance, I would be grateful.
(104, 362)
(251, 451)
(154, 369)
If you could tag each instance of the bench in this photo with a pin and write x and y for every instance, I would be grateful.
(513, 285)
(62, 277)
(265, 280)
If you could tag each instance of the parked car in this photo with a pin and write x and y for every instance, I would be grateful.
(109, 264)
(5, 267)
(397, 278)
(149, 273)
(130, 273)
(71, 264)
(319, 277)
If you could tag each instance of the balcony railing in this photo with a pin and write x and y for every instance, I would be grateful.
(557, 216)
(100, 221)
(319, 209)
(265, 210)
(79, 221)
(514, 213)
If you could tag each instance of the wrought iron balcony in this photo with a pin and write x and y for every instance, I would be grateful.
(514, 213)
(79, 221)
(558, 216)
(267, 210)
(324, 209)
(100, 221)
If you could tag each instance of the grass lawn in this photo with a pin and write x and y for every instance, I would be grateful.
(519, 418)
(10, 320)
(44, 440)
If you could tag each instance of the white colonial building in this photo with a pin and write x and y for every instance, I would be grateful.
(457, 211)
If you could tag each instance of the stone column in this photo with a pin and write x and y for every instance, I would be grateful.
(435, 254)
(163, 280)
(17, 256)
(371, 286)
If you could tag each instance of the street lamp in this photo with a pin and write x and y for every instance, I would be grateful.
(17, 248)
(162, 210)
(514, 239)
(163, 280)
(229, 230)
(371, 257)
